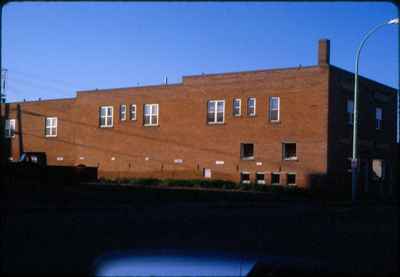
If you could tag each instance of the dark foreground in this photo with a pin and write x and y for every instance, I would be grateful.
(65, 233)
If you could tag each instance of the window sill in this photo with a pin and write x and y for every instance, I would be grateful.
(275, 121)
(106, 127)
(50, 136)
(261, 182)
(247, 158)
(215, 123)
(245, 182)
(151, 126)
(291, 159)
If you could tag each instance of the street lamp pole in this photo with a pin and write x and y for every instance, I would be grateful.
(354, 162)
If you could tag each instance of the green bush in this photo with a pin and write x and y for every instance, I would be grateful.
(218, 184)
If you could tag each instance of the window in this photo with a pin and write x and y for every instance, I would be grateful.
(215, 111)
(260, 178)
(251, 106)
(9, 128)
(133, 112)
(378, 118)
(289, 151)
(274, 109)
(378, 169)
(206, 173)
(237, 106)
(247, 151)
(245, 177)
(150, 114)
(275, 178)
(106, 116)
(122, 112)
(291, 179)
(350, 112)
(51, 127)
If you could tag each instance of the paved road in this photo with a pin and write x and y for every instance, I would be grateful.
(66, 236)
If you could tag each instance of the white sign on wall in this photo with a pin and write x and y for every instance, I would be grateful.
(207, 173)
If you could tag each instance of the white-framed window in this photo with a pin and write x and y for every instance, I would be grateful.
(51, 127)
(122, 112)
(378, 118)
(237, 106)
(9, 130)
(350, 112)
(150, 115)
(133, 112)
(260, 178)
(106, 116)
(215, 111)
(245, 177)
(251, 106)
(274, 108)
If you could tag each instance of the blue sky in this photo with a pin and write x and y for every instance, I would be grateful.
(51, 50)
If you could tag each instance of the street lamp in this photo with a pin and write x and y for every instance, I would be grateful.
(354, 162)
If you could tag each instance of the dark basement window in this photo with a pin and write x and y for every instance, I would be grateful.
(245, 177)
(275, 178)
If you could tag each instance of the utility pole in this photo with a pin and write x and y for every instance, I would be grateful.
(4, 72)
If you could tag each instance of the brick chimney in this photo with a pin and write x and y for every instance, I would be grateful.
(323, 51)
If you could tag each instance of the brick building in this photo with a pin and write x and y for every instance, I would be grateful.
(289, 126)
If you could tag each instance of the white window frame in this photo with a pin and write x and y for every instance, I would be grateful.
(122, 112)
(240, 106)
(151, 114)
(262, 182)
(378, 119)
(216, 112)
(245, 181)
(105, 125)
(133, 111)
(248, 106)
(51, 126)
(350, 111)
(271, 109)
(9, 128)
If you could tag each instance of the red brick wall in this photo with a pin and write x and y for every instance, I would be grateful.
(183, 132)
(30, 129)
